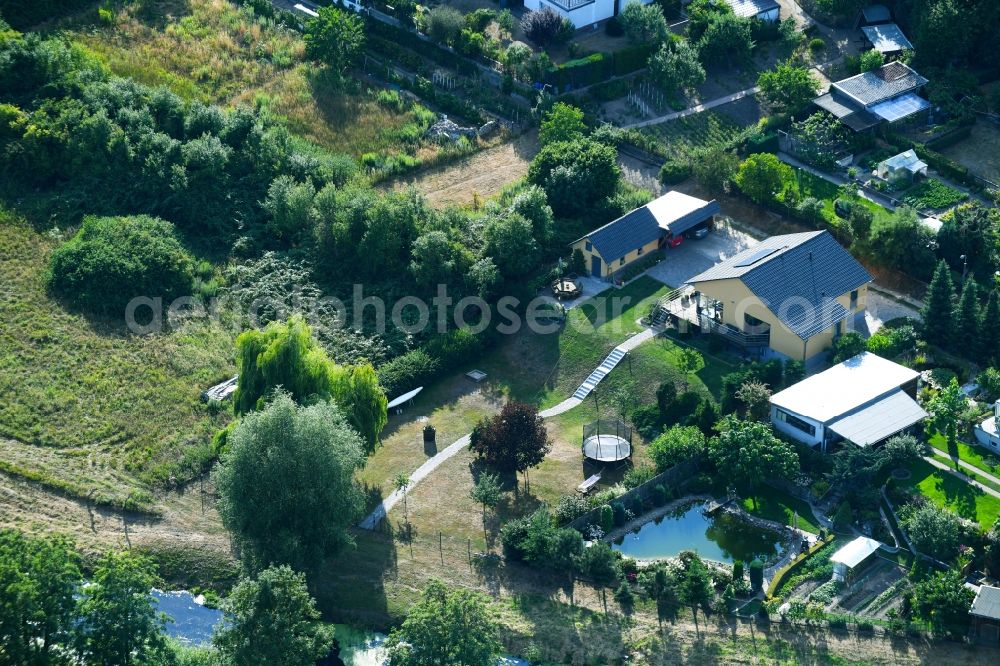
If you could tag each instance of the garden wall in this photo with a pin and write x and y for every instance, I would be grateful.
(673, 478)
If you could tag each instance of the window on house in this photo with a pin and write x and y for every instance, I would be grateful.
(854, 299)
(750, 320)
(795, 422)
(590, 248)
(639, 252)
(621, 262)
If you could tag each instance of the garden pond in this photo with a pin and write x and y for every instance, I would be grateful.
(722, 537)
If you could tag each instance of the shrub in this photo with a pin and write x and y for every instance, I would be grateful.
(676, 445)
(756, 572)
(513, 535)
(569, 508)
(607, 518)
(637, 476)
(406, 372)
(619, 513)
(816, 45)
(444, 24)
(659, 494)
(675, 171)
(543, 26)
(112, 260)
(454, 348)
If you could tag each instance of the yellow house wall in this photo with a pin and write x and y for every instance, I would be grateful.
(737, 299)
(609, 266)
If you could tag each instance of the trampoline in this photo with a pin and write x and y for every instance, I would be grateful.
(606, 441)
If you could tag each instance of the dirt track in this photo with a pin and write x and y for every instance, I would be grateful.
(483, 174)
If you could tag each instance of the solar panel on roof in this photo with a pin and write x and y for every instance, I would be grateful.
(900, 107)
(756, 256)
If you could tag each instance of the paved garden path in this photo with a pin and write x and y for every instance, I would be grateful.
(373, 519)
(972, 482)
(694, 109)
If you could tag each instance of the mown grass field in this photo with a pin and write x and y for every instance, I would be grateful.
(952, 493)
(84, 405)
(973, 455)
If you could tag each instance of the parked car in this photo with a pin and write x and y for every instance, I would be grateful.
(697, 232)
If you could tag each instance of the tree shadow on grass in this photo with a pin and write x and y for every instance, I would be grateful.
(350, 587)
(958, 495)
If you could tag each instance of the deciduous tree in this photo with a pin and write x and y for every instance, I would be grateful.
(446, 627)
(762, 177)
(513, 440)
(675, 445)
(488, 492)
(788, 87)
(946, 409)
(644, 24)
(748, 452)
(286, 484)
(38, 579)
(944, 600)
(119, 623)
(675, 66)
(271, 620)
(563, 122)
(335, 37)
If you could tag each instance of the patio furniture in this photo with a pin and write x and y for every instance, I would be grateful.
(565, 288)
(588, 485)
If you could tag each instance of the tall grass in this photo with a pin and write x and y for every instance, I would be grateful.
(86, 406)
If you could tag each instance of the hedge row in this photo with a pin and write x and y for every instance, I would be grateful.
(411, 40)
(598, 67)
(949, 138)
(417, 367)
(791, 567)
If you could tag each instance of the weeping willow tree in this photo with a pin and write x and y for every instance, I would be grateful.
(286, 355)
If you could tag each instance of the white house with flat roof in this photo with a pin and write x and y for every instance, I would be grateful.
(864, 400)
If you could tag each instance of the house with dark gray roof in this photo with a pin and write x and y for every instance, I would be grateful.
(788, 296)
(646, 230)
(985, 613)
(884, 95)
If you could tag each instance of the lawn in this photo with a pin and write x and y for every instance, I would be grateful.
(85, 406)
(968, 453)
(952, 493)
(825, 191)
(772, 504)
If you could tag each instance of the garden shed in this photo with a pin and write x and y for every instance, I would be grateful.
(854, 558)
(903, 167)
(887, 39)
(985, 613)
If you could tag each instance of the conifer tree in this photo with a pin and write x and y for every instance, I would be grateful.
(989, 330)
(938, 311)
(968, 316)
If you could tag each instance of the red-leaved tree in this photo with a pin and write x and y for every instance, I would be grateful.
(513, 440)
